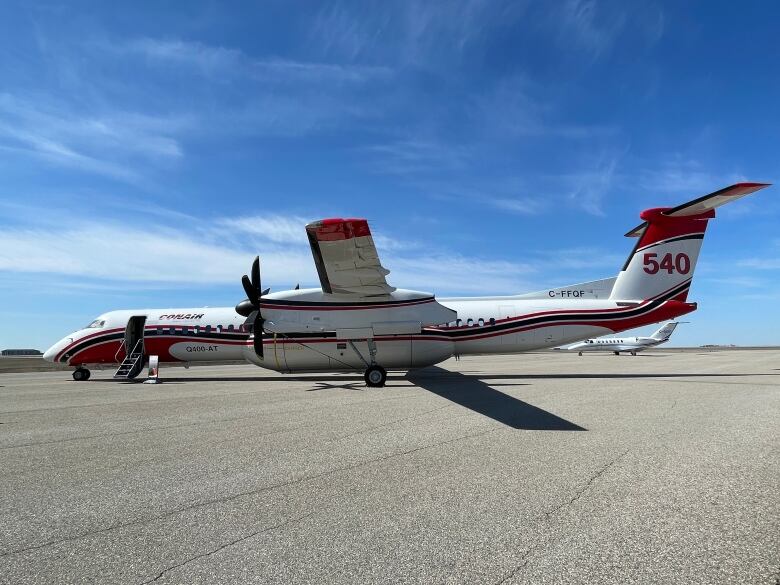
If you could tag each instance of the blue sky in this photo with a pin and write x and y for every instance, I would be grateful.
(149, 150)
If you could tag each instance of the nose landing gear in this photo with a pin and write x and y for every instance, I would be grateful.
(81, 374)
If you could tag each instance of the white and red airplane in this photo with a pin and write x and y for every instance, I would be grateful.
(357, 321)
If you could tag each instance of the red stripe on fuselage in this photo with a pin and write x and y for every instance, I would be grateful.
(665, 311)
(109, 351)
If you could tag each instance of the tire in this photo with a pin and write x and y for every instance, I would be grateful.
(375, 376)
(87, 374)
(633, 353)
(80, 374)
(580, 354)
(616, 352)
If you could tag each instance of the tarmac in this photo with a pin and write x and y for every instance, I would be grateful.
(532, 468)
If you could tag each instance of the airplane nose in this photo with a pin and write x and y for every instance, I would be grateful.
(50, 353)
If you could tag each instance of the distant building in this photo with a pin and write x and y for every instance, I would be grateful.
(18, 352)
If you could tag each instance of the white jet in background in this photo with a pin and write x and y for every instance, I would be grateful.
(629, 344)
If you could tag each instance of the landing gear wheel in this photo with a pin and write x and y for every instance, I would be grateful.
(375, 376)
(633, 353)
(81, 374)
(579, 354)
(616, 352)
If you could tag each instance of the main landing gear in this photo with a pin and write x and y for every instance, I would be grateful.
(375, 376)
(81, 374)
(616, 352)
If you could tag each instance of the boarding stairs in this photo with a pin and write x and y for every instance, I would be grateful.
(133, 362)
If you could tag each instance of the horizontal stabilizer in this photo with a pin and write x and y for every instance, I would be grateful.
(706, 203)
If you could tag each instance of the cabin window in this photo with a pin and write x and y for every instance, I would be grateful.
(458, 322)
(197, 329)
(208, 328)
(172, 331)
(219, 328)
(470, 322)
(231, 328)
(481, 322)
(492, 321)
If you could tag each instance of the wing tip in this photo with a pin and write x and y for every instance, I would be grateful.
(338, 228)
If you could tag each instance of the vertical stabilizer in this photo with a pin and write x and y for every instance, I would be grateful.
(665, 332)
(661, 264)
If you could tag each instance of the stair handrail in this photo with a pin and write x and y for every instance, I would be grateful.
(137, 343)
(116, 358)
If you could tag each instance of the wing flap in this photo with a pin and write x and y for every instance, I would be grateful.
(346, 257)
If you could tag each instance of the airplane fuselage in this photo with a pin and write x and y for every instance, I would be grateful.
(629, 344)
(303, 337)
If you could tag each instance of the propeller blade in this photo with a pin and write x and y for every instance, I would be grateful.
(257, 330)
(256, 274)
(251, 293)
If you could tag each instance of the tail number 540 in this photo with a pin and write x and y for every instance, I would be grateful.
(671, 263)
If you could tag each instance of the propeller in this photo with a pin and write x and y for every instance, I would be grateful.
(250, 306)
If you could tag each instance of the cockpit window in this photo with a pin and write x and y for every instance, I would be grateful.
(96, 324)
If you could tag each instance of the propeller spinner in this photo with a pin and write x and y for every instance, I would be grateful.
(250, 307)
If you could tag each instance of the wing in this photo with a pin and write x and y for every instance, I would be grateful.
(346, 257)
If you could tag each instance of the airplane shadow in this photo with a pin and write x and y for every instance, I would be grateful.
(626, 376)
(472, 393)
(286, 378)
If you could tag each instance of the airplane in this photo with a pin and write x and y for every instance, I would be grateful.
(630, 344)
(357, 321)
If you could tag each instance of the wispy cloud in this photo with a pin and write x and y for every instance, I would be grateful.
(516, 106)
(417, 156)
(591, 25)
(761, 263)
(748, 282)
(275, 228)
(589, 188)
(411, 33)
(108, 144)
(445, 273)
(582, 258)
(219, 253)
(106, 126)
(682, 175)
(230, 62)
(521, 205)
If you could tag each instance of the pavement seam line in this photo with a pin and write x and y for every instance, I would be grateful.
(524, 559)
(236, 496)
(587, 485)
(287, 522)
